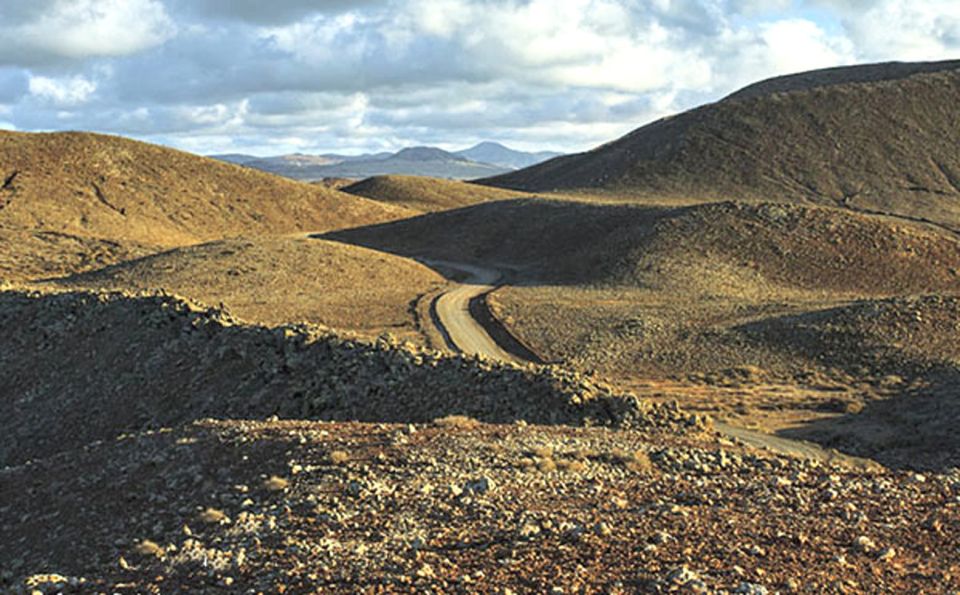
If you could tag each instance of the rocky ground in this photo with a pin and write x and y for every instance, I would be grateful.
(455, 506)
(150, 444)
(97, 364)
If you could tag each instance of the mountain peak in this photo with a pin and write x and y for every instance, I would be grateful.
(426, 154)
(489, 144)
(498, 154)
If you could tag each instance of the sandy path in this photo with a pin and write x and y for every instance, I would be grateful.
(452, 310)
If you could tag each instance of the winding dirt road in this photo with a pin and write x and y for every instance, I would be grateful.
(452, 316)
(452, 310)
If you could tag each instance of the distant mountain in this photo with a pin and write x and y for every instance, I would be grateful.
(417, 161)
(485, 159)
(497, 154)
(426, 154)
(238, 158)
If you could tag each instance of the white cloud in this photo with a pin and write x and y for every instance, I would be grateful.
(372, 74)
(794, 45)
(62, 92)
(78, 29)
(903, 29)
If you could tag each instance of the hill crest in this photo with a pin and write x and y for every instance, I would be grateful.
(875, 144)
(86, 186)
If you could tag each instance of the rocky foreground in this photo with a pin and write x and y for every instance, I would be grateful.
(90, 365)
(456, 506)
(149, 444)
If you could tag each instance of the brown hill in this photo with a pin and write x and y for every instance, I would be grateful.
(640, 292)
(727, 248)
(284, 279)
(78, 189)
(876, 138)
(427, 194)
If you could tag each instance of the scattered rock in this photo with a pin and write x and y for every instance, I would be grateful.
(864, 544)
(481, 485)
(751, 589)
(887, 554)
(276, 484)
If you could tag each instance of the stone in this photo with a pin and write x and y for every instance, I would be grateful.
(481, 485)
(751, 589)
(864, 544)
(661, 537)
(682, 576)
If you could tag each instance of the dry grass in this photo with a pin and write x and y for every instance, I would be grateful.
(285, 279)
(636, 461)
(116, 195)
(571, 466)
(462, 422)
(339, 457)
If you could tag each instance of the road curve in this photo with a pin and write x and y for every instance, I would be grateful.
(797, 448)
(452, 309)
(467, 335)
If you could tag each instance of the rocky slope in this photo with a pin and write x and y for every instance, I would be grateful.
(427, 194)
(279, 280)
(95, 365)
(301, 507)
(721, 249)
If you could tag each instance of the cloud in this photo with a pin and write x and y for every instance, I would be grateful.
(258, 12)
(62, 92)
(214, 75)
(794, 45)
(900, 29)
(48, 32)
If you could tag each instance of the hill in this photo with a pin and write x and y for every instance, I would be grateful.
(877, 138)
(86, 351)
(711, 248)
(281, 280)
(497, 154)
(300, 166)
(718, 293)
(424, 194)
(72, 201)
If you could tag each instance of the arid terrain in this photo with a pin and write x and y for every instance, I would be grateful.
(696, 359)
(878, 138)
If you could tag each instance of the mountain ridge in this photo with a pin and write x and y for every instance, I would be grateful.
(483, 159)
(886, 145)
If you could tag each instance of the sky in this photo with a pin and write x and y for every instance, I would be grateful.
(270, 77)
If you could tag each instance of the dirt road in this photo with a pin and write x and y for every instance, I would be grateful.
(452, 310)
(452, 315)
